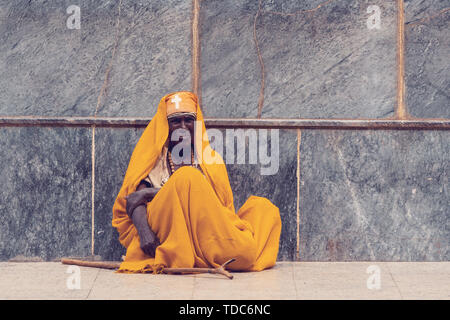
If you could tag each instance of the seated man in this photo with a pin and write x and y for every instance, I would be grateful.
(176, 211)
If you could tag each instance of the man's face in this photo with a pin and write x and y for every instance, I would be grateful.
(184, 122)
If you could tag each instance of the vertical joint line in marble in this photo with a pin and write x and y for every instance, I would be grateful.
(401, 112)
(196, 49)
(299, 139)
(92, 190)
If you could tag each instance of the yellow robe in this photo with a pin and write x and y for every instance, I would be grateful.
(193, 214)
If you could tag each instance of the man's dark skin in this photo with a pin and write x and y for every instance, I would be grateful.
(137, 201)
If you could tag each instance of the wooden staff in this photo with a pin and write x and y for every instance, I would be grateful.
(93, 264)
(219, 270)
(116, 264)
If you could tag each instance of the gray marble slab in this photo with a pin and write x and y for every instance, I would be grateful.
(48, 69)
(45, 209)
(321, 64)
(230, 73)
(153, 57)
(374, 195)
(427, 58)
(114, 148)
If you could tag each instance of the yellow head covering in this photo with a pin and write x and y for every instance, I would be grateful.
(148, 149)
(181, 102)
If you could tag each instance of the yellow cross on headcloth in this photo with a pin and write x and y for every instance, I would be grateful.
(181, 102)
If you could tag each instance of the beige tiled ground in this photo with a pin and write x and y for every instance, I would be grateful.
(287, 280)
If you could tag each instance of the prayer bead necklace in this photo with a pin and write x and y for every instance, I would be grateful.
(172, 166)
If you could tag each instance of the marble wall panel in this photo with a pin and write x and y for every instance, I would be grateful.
(45, 209)
(374, 195)
(427, 58)
(319, 62)
(230, 73)
(153, 57)
(48, 69)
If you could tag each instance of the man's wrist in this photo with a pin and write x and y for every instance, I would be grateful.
(141, 208)
(144, 231)
(149, 194)
(146, 234)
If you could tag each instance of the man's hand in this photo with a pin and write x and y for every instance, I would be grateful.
(148, 240)
(134, 200)
(149, 243)
(142, 196)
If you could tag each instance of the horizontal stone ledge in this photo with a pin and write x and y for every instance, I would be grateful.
(368, 124)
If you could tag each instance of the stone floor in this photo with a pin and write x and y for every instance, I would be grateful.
(287, 280)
